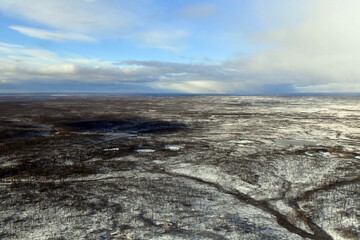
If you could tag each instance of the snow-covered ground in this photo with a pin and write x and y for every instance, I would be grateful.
(185, 168)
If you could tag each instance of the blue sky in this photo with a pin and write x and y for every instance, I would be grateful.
(218, 46)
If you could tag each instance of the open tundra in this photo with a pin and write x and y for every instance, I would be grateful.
(117, 167)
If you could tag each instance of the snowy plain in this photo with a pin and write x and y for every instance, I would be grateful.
(205, 167)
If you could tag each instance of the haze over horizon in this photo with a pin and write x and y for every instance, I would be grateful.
(147, 46)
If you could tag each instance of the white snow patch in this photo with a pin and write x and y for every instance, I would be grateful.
(115, 233)
(158, 161)
(282, 207)
(309, 154)
(144, 150)
(326, 154)
(214, 175)
(111, 149)
(241, 141)
(172, 147)
(357, 157)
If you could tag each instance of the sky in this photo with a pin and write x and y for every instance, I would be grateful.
(180, 46)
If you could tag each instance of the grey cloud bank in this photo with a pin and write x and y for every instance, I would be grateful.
(259, 73)
(51, 70)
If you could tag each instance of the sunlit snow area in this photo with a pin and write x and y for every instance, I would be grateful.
(205, 167)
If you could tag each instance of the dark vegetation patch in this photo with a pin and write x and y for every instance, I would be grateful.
(62, 156)
(18, 134)
(41, 169)
(78, 196)
(45, 169)
(57, 150)
(127, 126)
(349, 233)
(17, 130)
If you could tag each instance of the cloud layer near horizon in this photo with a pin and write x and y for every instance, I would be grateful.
(316, 52)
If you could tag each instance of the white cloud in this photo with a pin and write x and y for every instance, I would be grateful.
(19, 65)
(321, 52)
(69, 15)
(87, 20)
(58, 69)
(50, 35)
(332, 88)
(8, 48)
